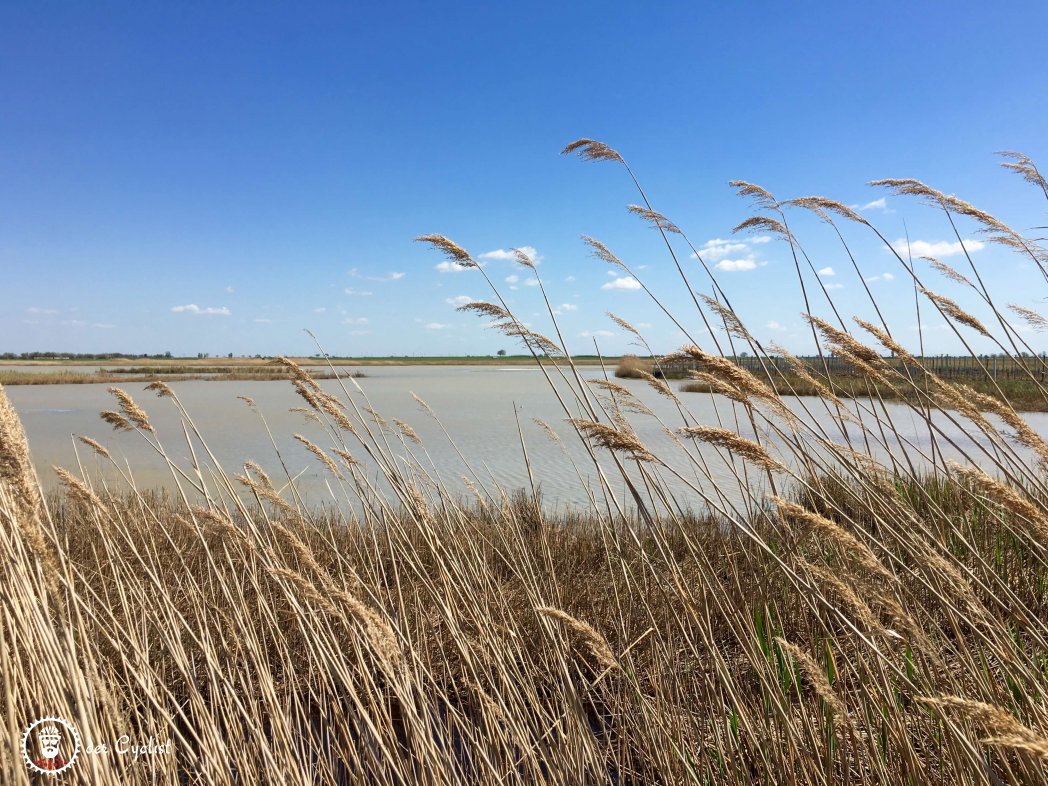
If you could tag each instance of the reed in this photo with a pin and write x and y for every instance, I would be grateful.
(829, 620)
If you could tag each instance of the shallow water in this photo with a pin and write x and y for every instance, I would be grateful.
(478, 405)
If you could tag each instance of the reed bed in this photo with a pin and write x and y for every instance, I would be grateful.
(852, 622)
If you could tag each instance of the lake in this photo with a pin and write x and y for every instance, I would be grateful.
(476, 404)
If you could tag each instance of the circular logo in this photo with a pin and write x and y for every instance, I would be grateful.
(50, 745)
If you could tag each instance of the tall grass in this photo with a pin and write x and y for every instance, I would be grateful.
(830, 620)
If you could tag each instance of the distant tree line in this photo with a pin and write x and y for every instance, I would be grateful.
(79, 356)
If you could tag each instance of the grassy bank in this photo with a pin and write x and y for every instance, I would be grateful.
(813, 617)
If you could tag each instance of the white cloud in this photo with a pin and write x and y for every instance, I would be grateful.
(359, 332)
(624, 283)
(880, 277)
(320, 310)
(359, 292)
(939, 249)
(718, 248)
(262, 320)
(596, 333)
(642, 325)
(396, 276)
(733, 265)
(229, 290)
(459, 300)
(531, 282)
(759, 240)
(512, 279)
(569, 280)
(506, 254)
(834, 286)
(38, 310)
(826, 271)
(193, 308)
(877, 204)
(447, 266)
(436, 326)
(565, 307)
(355, 321)
(773, 325)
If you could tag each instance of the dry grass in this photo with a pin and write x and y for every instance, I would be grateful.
(865, 624)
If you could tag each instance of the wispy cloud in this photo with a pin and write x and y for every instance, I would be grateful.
(569, 279)
(262, 320)
(512, 279)
(826, 272)
(773, 325)
(735, 265)
(596, 333)
(565, 307)
(388, 277)
(193, 308)
(359, 292)
(355, 321)
(436, 326)
(876, 204)
(459, 300)
(320, 310)
(626, 283)
(834, 286)
(230, 290)
(38, 310)
(939, 249)
(506, 254)
(880, 277)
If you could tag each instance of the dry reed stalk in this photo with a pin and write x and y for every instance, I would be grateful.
(602, 252)
(78, 490)
(592, 150)
(597, 645)
(1008, 498)
(1024, 433)
(1001, 725)
(761, 197)
(1024, 166)
(316, 450)
(163, 391)
(407, 431)
(955, 312)
(764, 224)
(656, 218)
(732, 323)
(131, 410)
(308, 414)
(729, 440)
(616, 440)
(817, 679)
(95, 446)
(948, 271)
(857, 606)
(453, 250)
(658, 385)
(821, 205)
(550, 433)
(116, 420)
(862, 553)
(1031, 317)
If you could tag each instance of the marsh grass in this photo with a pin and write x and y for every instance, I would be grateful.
(846, 622)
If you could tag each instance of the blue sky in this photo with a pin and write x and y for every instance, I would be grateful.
(186, 178)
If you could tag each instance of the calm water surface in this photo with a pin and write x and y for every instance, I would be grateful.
(475, 404)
